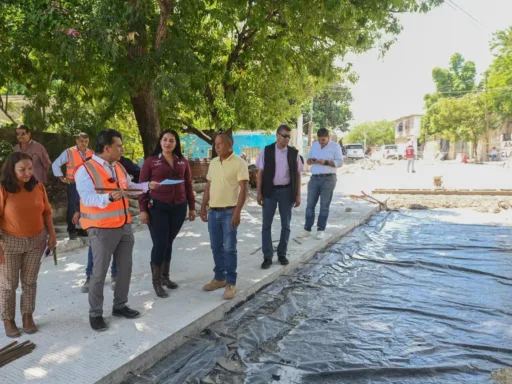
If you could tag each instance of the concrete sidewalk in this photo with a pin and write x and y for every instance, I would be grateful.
(69, 351)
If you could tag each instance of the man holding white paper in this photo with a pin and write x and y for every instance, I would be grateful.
(164, 210)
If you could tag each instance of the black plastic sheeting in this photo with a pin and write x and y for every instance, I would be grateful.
(407, 298)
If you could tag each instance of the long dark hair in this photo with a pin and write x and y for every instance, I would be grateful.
(9, 180)
(177, 149)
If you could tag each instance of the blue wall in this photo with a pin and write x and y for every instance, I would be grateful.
(241, 141)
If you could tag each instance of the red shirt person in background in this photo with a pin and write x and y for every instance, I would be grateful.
(410, 155)
(164, 210)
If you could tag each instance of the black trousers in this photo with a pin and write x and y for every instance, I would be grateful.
(165, 222)
(73, 200)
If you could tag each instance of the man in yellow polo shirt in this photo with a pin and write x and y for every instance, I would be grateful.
(225, 194)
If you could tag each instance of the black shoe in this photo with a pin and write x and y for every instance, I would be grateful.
(97, 323)
(283, 260)
(73, 235)
(126, 312)
(266, 264)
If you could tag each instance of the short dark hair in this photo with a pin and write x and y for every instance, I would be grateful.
(25, 127)
(106, 137)
(283, 127)
(322, 132)
(9, 180)
(177, 149)
(230, 139)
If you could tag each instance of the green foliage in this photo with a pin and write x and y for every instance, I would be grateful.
(331, 108)
(132, 142)
(459, 118)
(190, 65)
(456, 81)
(499, 83)
(5, 150)
(377, 133)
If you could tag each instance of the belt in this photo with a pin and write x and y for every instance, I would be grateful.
(324, 175)
(281, 186)
(221, 208)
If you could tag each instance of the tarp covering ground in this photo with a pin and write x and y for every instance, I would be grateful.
(411, 297)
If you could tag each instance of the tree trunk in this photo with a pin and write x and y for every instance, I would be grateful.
(146, 113)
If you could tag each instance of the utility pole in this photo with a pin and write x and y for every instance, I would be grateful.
(310, 125)
(485, 150)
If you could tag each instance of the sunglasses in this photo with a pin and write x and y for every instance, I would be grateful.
(285, 136)
(20, 133)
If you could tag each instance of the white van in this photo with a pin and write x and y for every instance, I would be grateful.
(355, 151)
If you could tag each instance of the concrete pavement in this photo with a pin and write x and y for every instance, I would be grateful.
(69, 351)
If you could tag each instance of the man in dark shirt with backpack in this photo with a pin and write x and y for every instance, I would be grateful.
(279, 180)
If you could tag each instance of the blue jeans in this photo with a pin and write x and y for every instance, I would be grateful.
(223, 244)
(88, 269)
(280, 198)
(323, 188)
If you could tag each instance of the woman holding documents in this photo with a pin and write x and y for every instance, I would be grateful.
(26, 230)
(164, 210)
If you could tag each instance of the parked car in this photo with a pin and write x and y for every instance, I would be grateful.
(355, 151)
(391, 151)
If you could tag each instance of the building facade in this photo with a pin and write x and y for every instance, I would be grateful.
(407, 128)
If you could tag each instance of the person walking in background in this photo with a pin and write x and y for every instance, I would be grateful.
(225, 194)
(164, 210)
(324, 157)
(40, 160)
(279, 182)
(27, 228)
(101, 183)
(72, 157)
(494, 154)
(409, 156)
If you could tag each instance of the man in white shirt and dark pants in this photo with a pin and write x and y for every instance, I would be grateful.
(325, 157)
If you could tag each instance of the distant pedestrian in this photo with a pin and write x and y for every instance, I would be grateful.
(494, 154)
(225, 194)
(325, 157)
(410, 155)
(279, 182)
(40, 160)
(72, 158)
(164, 210)
(27, 228)
(106, 218)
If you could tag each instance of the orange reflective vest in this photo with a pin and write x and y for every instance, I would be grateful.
(75, 160)
(114, 215)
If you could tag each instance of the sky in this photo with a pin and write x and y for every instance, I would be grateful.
(394, 86)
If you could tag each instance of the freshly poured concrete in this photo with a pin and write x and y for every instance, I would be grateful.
(69, 351)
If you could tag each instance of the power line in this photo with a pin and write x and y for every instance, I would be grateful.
(472, 19)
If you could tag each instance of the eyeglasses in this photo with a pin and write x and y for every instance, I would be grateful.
(20, 133)
(285, 136)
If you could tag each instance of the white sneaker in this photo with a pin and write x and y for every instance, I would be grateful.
(320, 235)
(113, 283)
(304, 234)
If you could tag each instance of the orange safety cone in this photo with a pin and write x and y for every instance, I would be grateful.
(464, 158)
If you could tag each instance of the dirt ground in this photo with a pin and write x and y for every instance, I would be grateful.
(485, 204)
(503, 376)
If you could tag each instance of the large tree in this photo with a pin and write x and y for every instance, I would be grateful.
(461, 118)
(376, 132)
(455, 81)
(331, 108)
(195, 65)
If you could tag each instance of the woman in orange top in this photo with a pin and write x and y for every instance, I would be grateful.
(25, 223)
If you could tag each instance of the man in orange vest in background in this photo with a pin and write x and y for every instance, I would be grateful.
(72, 157)
(104, 212)
(409, 156)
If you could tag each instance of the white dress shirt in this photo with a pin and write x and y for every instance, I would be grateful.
(331, 151)
(85, 186)
(61, 160)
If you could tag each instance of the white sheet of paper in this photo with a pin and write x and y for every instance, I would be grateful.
(170, 182)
